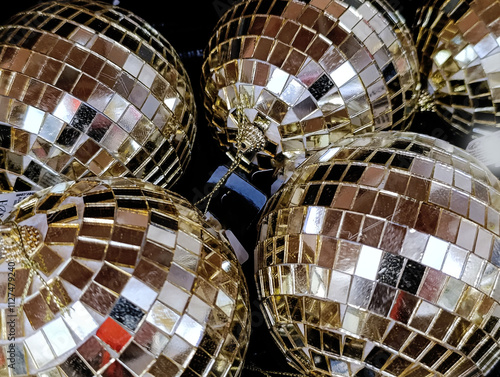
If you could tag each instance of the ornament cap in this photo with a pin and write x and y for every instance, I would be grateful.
(18, 242)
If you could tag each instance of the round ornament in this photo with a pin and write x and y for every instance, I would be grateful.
(118, 278)
(285, 78)
(381, 256)
(458, 43)
(89, 89)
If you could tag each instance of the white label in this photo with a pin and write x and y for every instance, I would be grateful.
(9, 200)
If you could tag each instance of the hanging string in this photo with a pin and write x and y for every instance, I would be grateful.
(14, 249)
(248, 139)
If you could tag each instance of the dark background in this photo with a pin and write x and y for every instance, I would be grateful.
(187, 25)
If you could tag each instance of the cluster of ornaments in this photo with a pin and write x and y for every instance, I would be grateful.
(380, 256)
(113, 276)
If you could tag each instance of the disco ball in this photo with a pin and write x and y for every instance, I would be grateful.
(458, 43)
(89, 89)
(297, 76)
(118, 278)
(381, 256)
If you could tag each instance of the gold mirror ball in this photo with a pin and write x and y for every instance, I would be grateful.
(118, 277)
(300, 75)
(381, 256)
(89, 89)
(459, 49)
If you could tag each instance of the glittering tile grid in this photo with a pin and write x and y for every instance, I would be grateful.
(382, 231)
(459, 47)
(148, 287)
(310, 73)
(102, 103)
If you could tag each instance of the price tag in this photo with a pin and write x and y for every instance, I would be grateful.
(9, 200)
